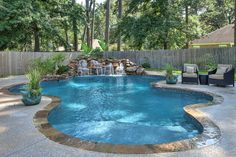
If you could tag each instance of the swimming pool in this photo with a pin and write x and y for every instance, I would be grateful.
(121, 110)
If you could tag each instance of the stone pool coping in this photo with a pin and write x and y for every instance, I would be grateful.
(210, 135)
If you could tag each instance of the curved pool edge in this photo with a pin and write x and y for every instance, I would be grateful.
(211, 132)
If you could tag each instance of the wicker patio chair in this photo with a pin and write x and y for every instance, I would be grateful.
(190, 73)
(223, 75)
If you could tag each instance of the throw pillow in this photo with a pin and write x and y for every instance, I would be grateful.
(190, 70)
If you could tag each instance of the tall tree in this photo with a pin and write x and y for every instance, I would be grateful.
(119, 17)
(107, 31)
(186, 20)
(234, 23)
(75, 29)
(88, 8)
(92, 23)
(153, 24)
(217, 14)
(35, 25)
(36, 38)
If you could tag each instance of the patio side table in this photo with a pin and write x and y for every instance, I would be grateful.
(203, 78)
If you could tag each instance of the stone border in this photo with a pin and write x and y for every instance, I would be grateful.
(210, 135)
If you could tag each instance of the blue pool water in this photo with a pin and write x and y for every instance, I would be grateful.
(121, 110)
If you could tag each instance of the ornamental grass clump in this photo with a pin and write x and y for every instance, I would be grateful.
(34, 92)
(169, 70)
(170, 77)
(34, 76)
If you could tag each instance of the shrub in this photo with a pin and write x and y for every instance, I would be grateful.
(44, 66)
(49, 65)
(103, 45)
(146, 65)
(207, 61)
(58, 59)
(98, 53)
(86, 49)
(62, 69)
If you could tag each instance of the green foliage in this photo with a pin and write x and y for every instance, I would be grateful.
(217, 14)
(157, 25)
(50, 65)
(211, 64)
(34, 76)
(169, 70)
(146, 65)
(44, 66)
(102, 45)
(58, 59)
(62, 69)
(207, 61)
(22, 20)
(97, 53)
(86, 48)
(146, 24)
(162, 24)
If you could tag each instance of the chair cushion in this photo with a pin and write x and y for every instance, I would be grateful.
(186, 66)
(216, 77)
(222, 68)
(190, 70)
(193, 75)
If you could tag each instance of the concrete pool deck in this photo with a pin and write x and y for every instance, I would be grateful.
(19, 137)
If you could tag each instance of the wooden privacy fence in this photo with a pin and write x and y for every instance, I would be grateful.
(159, 58)
(16, 63)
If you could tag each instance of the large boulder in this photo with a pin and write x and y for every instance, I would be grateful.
(131, 70)
(140, 71)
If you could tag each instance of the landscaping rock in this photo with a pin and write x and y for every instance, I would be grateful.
(129, 67)
(140, 71)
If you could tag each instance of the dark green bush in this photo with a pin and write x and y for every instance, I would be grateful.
(146, 65)
(44, 66)
(207, 61)
(97, 52)
(49, 65)
(62, 69)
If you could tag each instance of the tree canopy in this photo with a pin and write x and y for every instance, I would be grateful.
(40, 25)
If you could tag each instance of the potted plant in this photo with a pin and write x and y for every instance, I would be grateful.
(33, 94)
(170, 77)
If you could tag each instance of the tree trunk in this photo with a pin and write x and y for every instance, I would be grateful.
(92, 25)
(84, 34)
(119, 17)
(235, 23)
(165, 45)
(36, 39)
(107, 31)
(186, 20)
(74, 25)
(88, 23)
(67, 39)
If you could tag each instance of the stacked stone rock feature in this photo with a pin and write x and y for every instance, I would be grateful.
(129, 67)
(73, 67)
